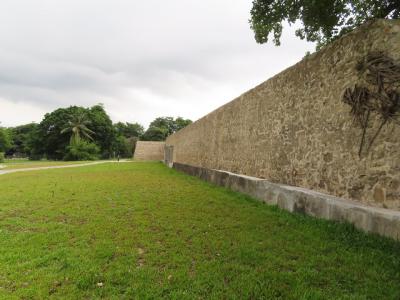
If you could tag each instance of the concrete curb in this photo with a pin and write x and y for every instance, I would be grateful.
(295, 199)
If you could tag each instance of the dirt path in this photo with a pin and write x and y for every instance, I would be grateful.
(2, 172)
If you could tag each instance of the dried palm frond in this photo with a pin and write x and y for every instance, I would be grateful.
(382, 74)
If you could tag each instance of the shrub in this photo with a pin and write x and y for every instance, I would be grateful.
(82, 150)
(2, 157)
(35, 156)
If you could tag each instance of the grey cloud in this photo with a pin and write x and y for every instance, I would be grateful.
(142, 59)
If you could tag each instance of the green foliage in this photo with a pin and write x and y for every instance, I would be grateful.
(162, 127)
(5, 139)
(125, 147)
(167, 124)
(23, 140)
(54, 141)
(127, 134)
(155, 134)
(181, 123)
(129, 130)
(2, 158)
(54, 136)
(130, 146)
(56, 127)
(82, 150)
(102, 125)
(77, 126)
(34, 144)
(322, 21)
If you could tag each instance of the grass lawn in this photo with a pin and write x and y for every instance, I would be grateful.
(141, 230)
(23, 164)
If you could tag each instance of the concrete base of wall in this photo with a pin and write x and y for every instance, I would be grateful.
(294, 199)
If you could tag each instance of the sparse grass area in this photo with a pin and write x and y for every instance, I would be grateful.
(17, 160)
(23, 164)
(141, 230)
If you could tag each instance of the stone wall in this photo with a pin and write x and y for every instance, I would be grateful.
(149, 151)
(294, 128)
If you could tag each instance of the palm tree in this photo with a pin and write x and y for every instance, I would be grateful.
(77, 127)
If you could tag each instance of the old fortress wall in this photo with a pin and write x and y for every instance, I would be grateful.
(149, 151)
(295, 129)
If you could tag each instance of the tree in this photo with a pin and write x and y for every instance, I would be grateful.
(162, 127)
(129, 130)
(167, 124)
(127, 134)
(77, 125)
(34, 144)
(102, 125)
(181, 123)
(5, 139)
(82, 150)
(322, 21)
(54, 139)
(155, 134)
(125, 147)
(22, 139)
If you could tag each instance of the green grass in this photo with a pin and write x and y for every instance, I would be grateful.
(141, 230)
(24, 164)
(17, 160)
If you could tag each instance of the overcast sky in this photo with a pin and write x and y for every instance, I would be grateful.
(141, 59)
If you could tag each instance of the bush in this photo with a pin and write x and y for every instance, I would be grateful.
(125, 146)
(82, 150)
(35, 156)
(2, 159)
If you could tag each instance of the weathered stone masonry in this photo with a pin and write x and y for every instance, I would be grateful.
(149, 151)
(294, 128)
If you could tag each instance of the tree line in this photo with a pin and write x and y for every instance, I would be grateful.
(79, 133)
